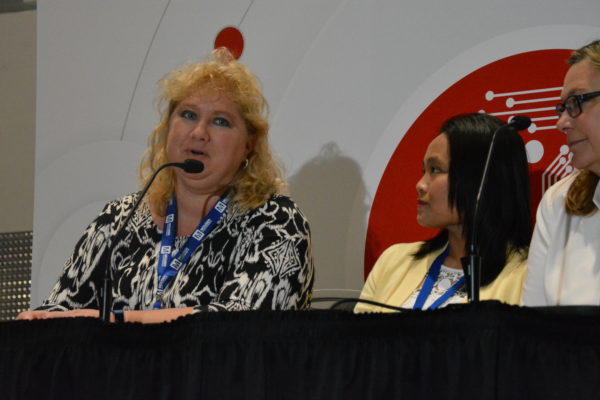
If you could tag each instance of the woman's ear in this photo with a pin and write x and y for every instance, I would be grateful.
(250, 143)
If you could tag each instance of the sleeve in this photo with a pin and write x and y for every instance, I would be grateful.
(369, 290)
(272, 265)
(534, 293)
(79, 283)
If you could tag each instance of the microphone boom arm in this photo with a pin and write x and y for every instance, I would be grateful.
(105, 300)
(472, 261)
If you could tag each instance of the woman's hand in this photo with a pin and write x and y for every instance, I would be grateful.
(40, 314)
(146, 316)
(156, 316)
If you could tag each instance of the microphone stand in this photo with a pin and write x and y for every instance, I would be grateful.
(105, 300)
(472, 261)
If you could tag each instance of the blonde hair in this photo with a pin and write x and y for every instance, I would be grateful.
(262, 176)
(580, 197)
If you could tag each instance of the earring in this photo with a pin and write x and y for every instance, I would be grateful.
(245, 163)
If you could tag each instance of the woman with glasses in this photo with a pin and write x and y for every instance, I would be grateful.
(564, 257)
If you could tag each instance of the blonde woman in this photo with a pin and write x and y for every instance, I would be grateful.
(564, 257)
(255, 255)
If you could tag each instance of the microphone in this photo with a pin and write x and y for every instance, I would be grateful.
(472, 262)
(519, 123)
(190, 166)
(340, 301)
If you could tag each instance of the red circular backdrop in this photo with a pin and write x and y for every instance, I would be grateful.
(522, 84)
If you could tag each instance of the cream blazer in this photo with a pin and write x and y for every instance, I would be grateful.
(397, 274)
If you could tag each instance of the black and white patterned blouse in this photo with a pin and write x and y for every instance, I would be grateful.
(260, 259)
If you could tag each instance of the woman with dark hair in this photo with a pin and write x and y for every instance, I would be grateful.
(452, 170)
(564, 259)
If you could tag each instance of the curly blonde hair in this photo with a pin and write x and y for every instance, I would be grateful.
(223, 74)
(580, 196)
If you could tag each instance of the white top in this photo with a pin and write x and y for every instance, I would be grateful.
(564, 256)
(446, 278)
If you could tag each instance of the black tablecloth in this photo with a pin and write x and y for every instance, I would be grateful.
(485, 351)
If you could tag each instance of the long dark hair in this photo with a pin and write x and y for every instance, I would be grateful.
(504, 223)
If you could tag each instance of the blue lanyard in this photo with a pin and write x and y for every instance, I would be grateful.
(432, 276)
(169, 263)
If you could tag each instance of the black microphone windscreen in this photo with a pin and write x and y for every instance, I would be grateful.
(519, 122)
(193, 166)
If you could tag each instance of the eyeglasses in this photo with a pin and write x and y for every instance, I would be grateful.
(573, 104)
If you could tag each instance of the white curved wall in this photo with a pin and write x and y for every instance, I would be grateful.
(344, 80)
